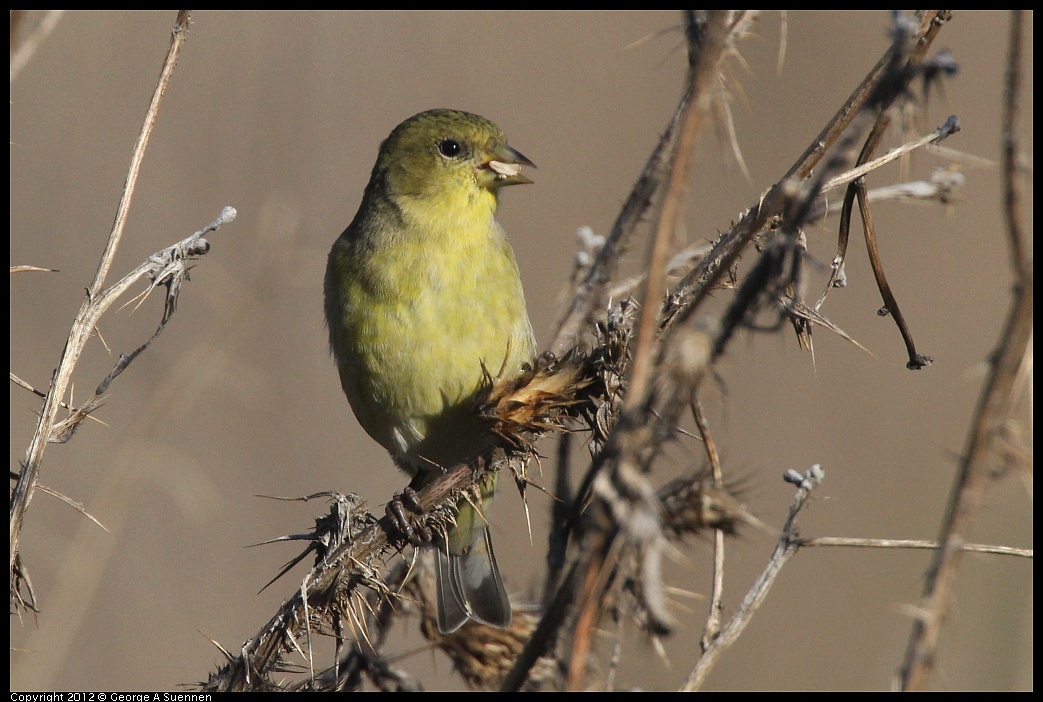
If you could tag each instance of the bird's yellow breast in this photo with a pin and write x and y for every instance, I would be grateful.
(419, 307)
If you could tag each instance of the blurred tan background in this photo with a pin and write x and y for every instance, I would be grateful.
(280, 116)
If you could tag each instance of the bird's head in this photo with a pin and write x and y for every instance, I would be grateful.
(439, 153)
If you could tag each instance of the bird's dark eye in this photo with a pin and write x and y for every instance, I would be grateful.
(450, 148)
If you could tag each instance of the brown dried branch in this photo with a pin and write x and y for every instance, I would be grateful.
(994, 408)
(624, 509)
(857, 189)
(890, 308)
(1012, 156)
(710, 37)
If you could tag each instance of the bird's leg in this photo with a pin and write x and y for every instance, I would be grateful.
(405, 511)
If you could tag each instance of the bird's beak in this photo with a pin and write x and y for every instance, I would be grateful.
(501, 165)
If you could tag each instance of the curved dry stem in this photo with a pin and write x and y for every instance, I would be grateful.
(94, 305)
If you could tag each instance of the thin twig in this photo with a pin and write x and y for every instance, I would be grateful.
(891, 308)
(713, 622)
(950, 127)
(858, 187)
(72, 503)
(912, 544)
(941, 187)
(42, 395)
(1011, 150)
(31, 269)
(784, 550)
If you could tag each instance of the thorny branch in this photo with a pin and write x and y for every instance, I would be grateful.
(686, 296)
(615, 477)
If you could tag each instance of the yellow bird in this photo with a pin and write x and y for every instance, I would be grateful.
(421, 290)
